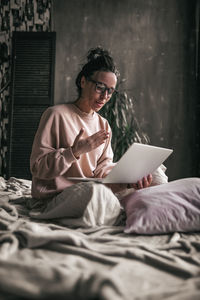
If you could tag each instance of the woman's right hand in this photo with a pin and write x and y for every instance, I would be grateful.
(84, 145)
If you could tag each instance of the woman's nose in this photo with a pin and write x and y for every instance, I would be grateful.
(105, 94)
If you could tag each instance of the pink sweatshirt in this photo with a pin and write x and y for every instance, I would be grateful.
(52, 160)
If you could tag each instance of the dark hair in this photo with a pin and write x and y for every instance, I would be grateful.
(98, 59)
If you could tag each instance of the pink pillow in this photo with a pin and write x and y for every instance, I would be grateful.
(169, 207)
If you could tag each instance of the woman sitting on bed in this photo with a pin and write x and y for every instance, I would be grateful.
(73, 140)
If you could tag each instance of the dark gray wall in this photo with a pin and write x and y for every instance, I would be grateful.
(154, 44)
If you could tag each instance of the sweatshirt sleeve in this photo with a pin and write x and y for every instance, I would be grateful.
(47, 159)
(159, 176)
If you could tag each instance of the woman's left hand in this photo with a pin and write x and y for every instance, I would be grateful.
(143, 183)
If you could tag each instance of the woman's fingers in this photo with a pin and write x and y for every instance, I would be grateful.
(99, 138)
(143, 183)
(150, 178)
(85, 145)
(96, 140)
(140, 184)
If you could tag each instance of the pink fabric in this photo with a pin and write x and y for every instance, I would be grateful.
(52, 160)
(170, 207)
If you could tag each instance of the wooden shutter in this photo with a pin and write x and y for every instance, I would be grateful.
(32, 92)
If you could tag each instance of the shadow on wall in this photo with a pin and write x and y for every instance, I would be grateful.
(154, 44)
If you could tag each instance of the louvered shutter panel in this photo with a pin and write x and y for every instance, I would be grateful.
(32, 92)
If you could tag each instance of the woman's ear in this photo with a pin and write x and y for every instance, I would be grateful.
(83, 80)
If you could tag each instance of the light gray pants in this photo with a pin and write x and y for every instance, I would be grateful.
(82, 204)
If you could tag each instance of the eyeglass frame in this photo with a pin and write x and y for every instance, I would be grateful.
(106, 88)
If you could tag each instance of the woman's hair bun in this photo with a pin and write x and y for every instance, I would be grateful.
(98, 59)
(94, 53)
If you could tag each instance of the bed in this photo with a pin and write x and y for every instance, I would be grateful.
(45, 260)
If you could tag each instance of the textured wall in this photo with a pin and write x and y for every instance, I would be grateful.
(154, 44)
(15, 15)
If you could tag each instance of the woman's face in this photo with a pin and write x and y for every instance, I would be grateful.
(97, 90)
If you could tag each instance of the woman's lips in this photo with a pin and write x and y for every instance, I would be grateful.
(99, 104)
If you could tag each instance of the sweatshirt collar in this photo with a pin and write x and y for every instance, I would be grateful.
(83, 114)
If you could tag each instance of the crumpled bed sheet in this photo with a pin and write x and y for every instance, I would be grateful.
(44, 260)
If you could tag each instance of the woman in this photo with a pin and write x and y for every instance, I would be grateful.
(73, 140)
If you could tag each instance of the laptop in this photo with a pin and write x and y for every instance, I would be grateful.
(138, 161)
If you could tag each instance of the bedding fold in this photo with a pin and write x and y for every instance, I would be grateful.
(43, 259)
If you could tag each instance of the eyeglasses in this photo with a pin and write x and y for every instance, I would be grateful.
(101, 88)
